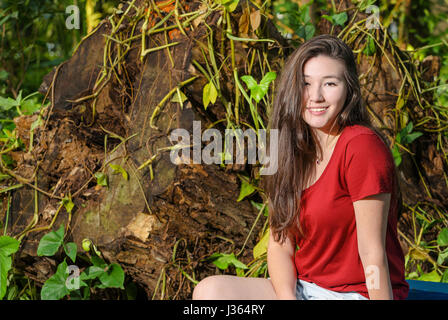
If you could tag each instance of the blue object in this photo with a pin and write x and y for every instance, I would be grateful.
(427, 290)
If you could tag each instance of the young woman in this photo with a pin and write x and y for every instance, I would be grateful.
(334, 200)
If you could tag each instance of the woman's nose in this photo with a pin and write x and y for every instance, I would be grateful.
(315, 93)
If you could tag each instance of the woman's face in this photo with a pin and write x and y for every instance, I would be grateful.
(324, 91)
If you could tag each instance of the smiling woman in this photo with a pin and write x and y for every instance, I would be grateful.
(334, 200)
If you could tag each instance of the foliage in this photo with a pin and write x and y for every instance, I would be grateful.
(8, 246)
(35, 38)
(224, 260)
(404, 137)
(294, 19)
(68, 281)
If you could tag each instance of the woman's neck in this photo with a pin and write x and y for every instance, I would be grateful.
(325, 139)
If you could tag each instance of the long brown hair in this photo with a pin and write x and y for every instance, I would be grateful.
(297, 143)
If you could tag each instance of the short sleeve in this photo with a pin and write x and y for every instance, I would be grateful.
(369, 167)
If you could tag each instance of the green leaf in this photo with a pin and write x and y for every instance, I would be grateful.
(262, 246)
(30, 106)
(444, 278)
(370, 48)
(432, 276)
(249, 81)
(3, 74)
(230, 5)
(306, 31)
(257, 93)
(340, 18)
(362, 5)
(101, 179)
(442, 238)
(239, 272)
(55, 287)
(7, 103)
(411, 137)
(305, 13)
(68, 203)
(267, 79)
(258, 206)
(50, 243)
(71, 250)
(397, 156)
(5, 266)
(246, 189)
(118, 169)
(209, 94)
(217, 261)
(329, 18)
(224, 260)
(113, 277)
(91, 272)
(8, 245)
(442, 257)
(98, 262)
(400, 104)
(179, 97)
(409, 127)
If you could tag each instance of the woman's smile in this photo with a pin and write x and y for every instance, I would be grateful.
(317, 111)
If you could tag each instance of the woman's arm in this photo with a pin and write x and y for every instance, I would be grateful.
(282, 268)
(371, 215)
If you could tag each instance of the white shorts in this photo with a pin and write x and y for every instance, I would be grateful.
(311, 291)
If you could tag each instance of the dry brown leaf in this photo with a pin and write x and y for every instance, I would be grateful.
(243, 24)
(255, 19)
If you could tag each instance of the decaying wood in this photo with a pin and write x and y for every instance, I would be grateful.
(135, 222)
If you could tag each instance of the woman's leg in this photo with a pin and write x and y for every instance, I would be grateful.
(234, 288)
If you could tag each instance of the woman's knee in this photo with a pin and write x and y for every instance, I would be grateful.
(208, 288)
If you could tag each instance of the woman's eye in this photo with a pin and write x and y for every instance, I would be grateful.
(306, 84)
(331, 84)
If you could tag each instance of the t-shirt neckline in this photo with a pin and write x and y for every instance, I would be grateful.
(328, 164)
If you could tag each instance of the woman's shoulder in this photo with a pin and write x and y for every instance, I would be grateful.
(355, 130)
(360, 134)
(364, 140)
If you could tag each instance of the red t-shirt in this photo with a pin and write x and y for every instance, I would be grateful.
(361, 165)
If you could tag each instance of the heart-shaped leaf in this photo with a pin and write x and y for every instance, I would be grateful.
(442, 238)
(55, 288)
(340, 18)
(71, 250)
(113, 277)
(262, 246)
(246, 189)
(50, 243)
